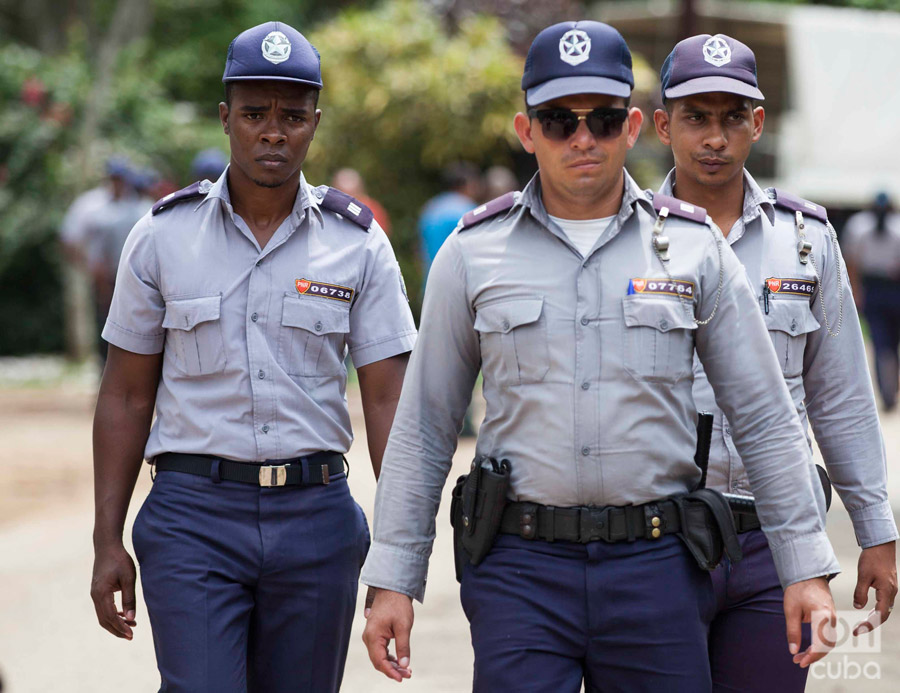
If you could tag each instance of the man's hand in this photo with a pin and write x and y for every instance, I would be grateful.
(114, 572)
(390, 617)
(809, 601)
(877, 568)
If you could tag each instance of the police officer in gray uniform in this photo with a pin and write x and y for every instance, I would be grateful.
(792, 258)
(235, 305)
(586, 351)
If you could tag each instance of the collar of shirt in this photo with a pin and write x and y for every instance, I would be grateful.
(531, 199)
(304, 200)
(756, 202)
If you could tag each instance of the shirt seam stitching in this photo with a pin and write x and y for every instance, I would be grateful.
(394, 548)
(394, 337)
(139, 335)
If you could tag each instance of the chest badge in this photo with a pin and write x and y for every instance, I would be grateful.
(335, 292)
(660, 287)
(794, 287)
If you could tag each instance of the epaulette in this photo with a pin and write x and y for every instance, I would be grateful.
(489, 209)
(192, 191)
(678, 208)
(786, 200)
(347, 206)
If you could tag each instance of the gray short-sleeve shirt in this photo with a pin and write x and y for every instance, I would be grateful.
(254, 339)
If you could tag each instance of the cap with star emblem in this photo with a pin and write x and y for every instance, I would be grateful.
(577, 58)
(276, 51)
(703, 64)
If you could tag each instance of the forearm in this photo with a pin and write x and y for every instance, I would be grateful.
(380, 385)
(121, 427)
(378, 427)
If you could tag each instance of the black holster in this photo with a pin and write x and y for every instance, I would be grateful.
(707, 527)
(476, 508)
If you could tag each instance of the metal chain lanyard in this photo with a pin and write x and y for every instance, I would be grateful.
(804, 249)
(661, 248)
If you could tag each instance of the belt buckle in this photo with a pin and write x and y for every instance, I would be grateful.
(593, 524)
(272, 475)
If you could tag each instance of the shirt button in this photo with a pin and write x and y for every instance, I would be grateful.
(261, 374)
(585, 451)
(506, 324)
(585, 385)
(254, 317)
(319, 326)
(664, 324)
(793, 325)
(727, 431)
(258, 263)
(585, 321)
(265, 428)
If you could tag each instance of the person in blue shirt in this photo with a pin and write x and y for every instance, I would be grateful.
(442, 212)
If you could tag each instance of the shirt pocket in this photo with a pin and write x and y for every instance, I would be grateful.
(194, 334)
(514, 337)
(313, 336)
(659, 339)
(789, 322)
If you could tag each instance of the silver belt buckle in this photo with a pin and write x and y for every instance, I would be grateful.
(271, 475)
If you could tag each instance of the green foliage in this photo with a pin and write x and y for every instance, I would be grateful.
(403, 99)
(190, 38)
(43, 168)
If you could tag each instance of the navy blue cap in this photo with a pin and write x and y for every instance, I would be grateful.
(704, 63)
(276, 51)
(577, 58)
(209, 164)
(118, 166)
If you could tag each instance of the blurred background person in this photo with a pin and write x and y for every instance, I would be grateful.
(105, 228)
(499, 180)
(209, 164)
(350, 181)
(441, 214)
(871, 243)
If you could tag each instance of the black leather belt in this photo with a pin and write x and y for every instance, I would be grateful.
(584, 524)
(746, 522)
(317, 468)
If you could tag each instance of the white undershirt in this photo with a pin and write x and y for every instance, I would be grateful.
(583, 232)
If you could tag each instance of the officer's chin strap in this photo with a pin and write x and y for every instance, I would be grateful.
(804, 250)
(661, 248)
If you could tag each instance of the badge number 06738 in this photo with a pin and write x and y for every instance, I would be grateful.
(336, 292)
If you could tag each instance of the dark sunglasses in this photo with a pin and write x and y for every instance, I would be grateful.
(561, 123)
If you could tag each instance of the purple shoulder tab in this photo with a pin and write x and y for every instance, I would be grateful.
(188, 193)
(678, 208)
(797, 204)
(348, 206)
(489, 209)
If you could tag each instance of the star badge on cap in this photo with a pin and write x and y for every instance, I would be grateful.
(574, 47)
(716, 51)
(276, 48)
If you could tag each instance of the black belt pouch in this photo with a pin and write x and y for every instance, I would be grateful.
(707, 527)
(476, 509)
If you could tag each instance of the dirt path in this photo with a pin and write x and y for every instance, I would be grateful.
(49, 640)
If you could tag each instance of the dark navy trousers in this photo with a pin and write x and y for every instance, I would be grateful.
(623, 617)
(248, 588)
(748, 648)
(882, 311)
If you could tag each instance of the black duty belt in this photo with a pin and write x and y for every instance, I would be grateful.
(317, 468)
(746, 522)
(585, 524)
